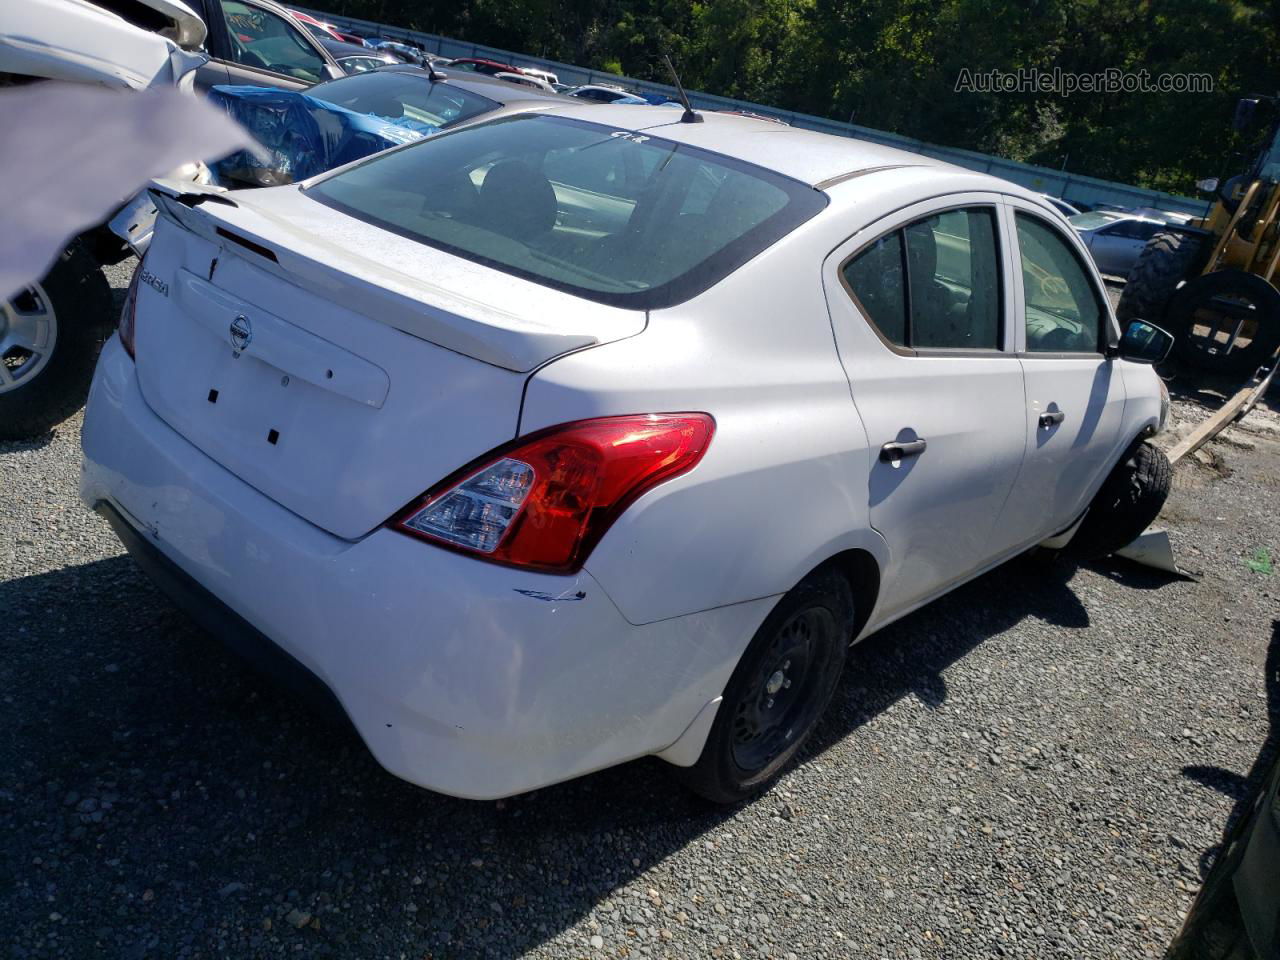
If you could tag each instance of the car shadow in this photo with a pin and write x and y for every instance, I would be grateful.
(233, 803)
(1241, 788)
(28, 444)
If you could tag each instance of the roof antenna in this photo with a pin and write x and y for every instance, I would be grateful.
(689, 116)
(433, 74)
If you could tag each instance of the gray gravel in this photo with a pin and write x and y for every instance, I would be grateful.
(1001, 774)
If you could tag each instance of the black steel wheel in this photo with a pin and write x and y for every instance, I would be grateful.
(778, 692)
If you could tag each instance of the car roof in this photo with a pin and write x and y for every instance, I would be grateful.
(804, 155)
(491, 87)
(488, 63)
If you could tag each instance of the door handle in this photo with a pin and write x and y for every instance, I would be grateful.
(1052, 418)
(896, 452)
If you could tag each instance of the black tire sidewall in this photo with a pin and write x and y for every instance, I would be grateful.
(1126, 504)
(81, 300)
(1166, 260)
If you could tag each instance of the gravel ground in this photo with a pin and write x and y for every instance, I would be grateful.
(1038, 765)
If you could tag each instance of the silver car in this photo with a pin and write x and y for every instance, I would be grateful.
(1115, 239)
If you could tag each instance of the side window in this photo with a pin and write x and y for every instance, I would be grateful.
(262, 39)
(1147, 230)
(950, 299)
(876, 280)
(1064, 314)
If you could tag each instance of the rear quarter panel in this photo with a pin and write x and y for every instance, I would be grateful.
(782, 486)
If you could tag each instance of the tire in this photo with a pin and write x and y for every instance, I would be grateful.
(1229, 295)
(750, 744)
(50, 336)
(1130, 499)
(1166, 260)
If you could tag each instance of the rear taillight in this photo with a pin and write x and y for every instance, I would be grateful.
(127, 314)
(544, 501)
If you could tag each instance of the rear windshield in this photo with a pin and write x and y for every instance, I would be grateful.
(400, 95)
(615, 216)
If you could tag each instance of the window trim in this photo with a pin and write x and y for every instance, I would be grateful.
(1099, 296)
(991, 204)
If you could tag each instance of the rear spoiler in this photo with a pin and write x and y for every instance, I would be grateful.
(457, 322)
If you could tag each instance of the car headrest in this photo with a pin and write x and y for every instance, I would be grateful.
(517, 199)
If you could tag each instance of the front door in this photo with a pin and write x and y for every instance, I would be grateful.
(265, 49)
(921, 307)
(1075, 393)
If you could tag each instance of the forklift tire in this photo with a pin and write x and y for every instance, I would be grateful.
(1166, 260)
(50, 337)
(1262, 303)
(1130, 499)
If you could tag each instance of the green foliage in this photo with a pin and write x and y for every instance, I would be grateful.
(894, 64)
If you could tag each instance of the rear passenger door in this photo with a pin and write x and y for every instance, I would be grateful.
(921, 308)
(1075, 392)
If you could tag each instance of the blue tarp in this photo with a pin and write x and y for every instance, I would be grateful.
(303, 136)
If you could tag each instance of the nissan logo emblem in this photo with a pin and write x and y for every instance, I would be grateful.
(241, 332)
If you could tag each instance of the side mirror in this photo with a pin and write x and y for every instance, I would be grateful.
(1209, 185)
(1144, 342)
(1243, 119)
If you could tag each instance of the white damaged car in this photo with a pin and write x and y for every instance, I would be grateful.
(574, 437)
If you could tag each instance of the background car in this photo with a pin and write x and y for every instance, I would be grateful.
(526, 81)
(260, 42)
(332, 123)
(1115, 240)
(357, 58)
(601, 93)
(401, 51)
(148, 43)
(544, 75)
(480, 65)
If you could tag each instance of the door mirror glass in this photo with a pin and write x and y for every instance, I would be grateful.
(1143, 342)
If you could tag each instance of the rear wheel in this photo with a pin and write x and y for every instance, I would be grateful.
(1166, 260)
(1226, 322)
(778, 692)
(50, 335)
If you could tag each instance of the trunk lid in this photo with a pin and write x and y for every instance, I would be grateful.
(336, 384)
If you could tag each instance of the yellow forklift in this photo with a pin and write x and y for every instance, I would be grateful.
(1213, 282)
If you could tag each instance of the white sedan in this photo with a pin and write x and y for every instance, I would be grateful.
(578, 436)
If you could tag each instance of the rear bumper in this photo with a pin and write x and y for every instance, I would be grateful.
(216, 618)
(461, 676)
